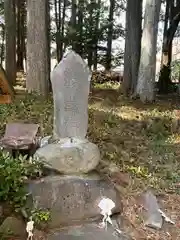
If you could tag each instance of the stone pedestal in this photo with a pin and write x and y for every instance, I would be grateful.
(72, 199)
(69, 156)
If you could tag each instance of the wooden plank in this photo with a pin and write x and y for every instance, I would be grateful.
(5, 99)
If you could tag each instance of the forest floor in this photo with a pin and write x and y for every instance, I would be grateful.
(134, 137)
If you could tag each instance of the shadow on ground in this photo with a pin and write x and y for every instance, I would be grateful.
(112, 97)
(141, 147)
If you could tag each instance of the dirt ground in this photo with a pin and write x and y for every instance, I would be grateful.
(139, 140)
(135, 140)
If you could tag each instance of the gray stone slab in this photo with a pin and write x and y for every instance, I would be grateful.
(154, 217)
(72, 198)
(87, 232)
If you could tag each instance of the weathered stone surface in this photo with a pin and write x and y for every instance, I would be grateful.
(72, 198)
(13, 226)
(154, 217)
(70, 158)
(20, 136)
(70, 84)
(87, 232)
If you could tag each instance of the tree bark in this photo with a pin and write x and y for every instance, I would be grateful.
(57, 30)
(10, 33)
(96, 36)
(48, 39)
(147, 69)
(21, 13)
(132, 46)
(63, 45)
(110, 33)
(90, 40)
(164, 78)
(58, 22)
(80, 27)
(2, 44)
(37, 48)
(74, 25)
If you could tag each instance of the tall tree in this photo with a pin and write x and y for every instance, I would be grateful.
(147, 69)
(37, 47)
(10, 33)
(80, 27)
(173, 16)
(73, 25)
(132, 45)
(58, 22)
(90, 31)
(21, 33)
(62, 44)
(48, 40)
(2, 43)
(110, 34)
(95, 35)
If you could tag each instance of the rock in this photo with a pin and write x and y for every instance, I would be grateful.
(13, 226)
(87, 232)
(20, 136)
(70, 157)
(72, 198)
(44, 141)
(154, 217)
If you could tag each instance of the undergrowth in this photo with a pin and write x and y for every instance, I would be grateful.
(13, 178)
(137, 137)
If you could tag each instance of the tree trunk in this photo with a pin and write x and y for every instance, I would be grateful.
(37, 48)
(96, 37)
(2, 43)
(80, 27)
(57, 30)
(147, 69)
(132, 46)
(165, 28)
(90, 38)
(164, 78)
(62, 44)
(48, 33)
(110, 33)
(10, 33)
(21, 13)
(73, 25)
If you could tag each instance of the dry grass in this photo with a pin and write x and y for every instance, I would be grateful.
(137, 138)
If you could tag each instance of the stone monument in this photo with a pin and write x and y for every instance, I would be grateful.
(69, 151)
(70, 84)
(70, 194)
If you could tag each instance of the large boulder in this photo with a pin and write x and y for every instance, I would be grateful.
(13, 226)
(72, 198)
(70, 157)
